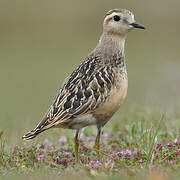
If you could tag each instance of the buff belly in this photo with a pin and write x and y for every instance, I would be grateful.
(104, 112)
(112, 104)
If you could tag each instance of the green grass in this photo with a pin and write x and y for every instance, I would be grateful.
(147, 147)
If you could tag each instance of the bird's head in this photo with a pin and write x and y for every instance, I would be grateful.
(119, 22)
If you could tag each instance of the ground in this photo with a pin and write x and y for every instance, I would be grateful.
(147, 145)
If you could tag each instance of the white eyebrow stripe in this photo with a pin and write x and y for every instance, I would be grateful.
(121, 14)
(113, 14)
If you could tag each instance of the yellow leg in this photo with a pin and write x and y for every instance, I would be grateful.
(76, 147)
(97, 143)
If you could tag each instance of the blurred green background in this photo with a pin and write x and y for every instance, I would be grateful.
(42, 41)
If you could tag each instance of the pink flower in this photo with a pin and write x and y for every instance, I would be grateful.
(159, 146)
(121, 153)
(63, 162)
(128, 152)
(169, 144)
(106, 135)
(140, 161)
(96, 164)
(47, 142)
(177, 153)
(169, 162)
(176, 141)
(62, 140)
(40, 157)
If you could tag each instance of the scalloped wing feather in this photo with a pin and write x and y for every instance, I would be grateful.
(86, 88)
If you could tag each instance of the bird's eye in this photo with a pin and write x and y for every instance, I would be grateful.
(116, 18)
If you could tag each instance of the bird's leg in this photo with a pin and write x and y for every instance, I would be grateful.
(97, 142)
(76, 146)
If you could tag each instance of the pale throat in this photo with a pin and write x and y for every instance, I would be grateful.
(111, 49)
(112, 41)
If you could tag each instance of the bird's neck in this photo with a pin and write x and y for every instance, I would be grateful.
(112, 42)
(111, 49)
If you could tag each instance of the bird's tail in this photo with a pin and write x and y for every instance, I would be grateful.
(39, 129)
(32, 134)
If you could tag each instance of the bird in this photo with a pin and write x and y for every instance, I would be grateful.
(94, 91)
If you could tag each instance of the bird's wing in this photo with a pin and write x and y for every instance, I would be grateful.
(84, 90)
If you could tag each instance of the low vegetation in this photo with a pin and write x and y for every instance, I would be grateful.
(142, 149)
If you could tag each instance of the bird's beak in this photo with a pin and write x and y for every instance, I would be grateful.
(137, 25)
